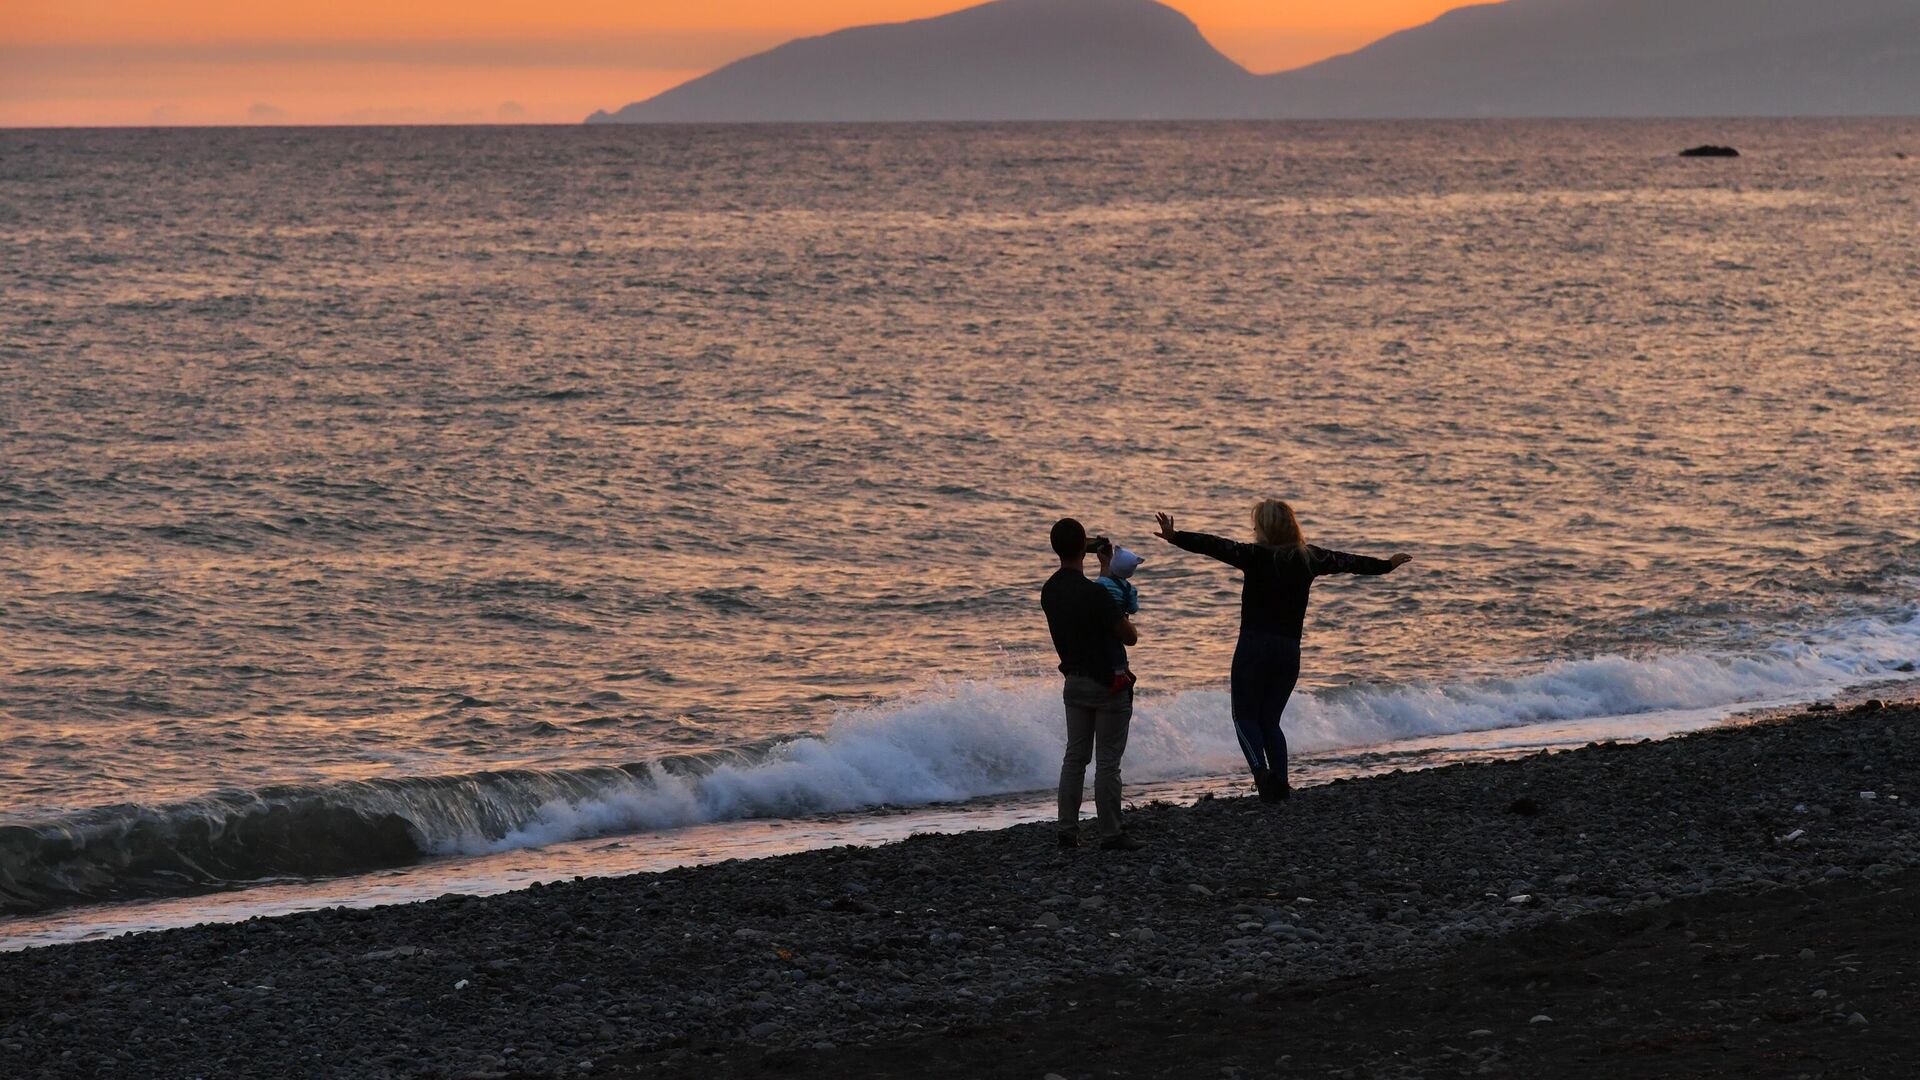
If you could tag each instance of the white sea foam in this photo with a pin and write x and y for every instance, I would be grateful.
(1829, 659)
(949, 744)
(990, 738)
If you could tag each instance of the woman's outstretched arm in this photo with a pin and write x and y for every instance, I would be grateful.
(1339, 562)
(1227, 551)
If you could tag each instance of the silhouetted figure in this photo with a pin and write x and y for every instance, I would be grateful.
(1086, 625)
(1280, 567)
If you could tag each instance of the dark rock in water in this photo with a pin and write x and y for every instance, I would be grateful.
(1908, 666)
(1710, 151)
(1524, 806)
(1822, 706)
(1870, 705)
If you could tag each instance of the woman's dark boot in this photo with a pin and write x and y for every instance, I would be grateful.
(1263, 783)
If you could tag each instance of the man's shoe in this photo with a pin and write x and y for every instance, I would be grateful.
(1069, 840)
(1121, 842)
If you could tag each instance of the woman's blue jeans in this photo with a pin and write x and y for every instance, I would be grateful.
(1265, 667)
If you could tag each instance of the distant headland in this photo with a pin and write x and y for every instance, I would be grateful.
(1143, 60)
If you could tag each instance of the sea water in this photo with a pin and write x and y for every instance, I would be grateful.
(486, 504)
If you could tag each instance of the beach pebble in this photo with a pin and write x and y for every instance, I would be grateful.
(1856, 1020)
(959, 945)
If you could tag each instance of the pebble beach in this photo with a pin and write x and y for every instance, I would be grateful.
(827, 959)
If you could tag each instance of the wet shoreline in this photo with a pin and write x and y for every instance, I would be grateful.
(852, 947)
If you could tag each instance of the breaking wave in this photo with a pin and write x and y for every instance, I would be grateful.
(956, 742)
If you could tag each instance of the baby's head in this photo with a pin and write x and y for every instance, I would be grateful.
(1124, 564)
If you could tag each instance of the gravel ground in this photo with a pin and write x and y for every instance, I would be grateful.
(852, 952)
(1793, 982)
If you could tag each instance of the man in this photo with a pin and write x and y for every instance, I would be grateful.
(1085, 624)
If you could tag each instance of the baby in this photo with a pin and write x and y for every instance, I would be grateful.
(1116, 571)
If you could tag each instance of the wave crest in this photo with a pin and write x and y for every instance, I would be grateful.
(961, 741)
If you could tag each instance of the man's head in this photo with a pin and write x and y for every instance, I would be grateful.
(1069, 539)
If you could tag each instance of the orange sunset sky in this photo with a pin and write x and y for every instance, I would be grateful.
(67, 62)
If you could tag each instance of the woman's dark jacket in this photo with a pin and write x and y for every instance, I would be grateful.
(1274, 598)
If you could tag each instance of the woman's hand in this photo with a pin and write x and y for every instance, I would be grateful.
(1399, 561)
(1166, 527)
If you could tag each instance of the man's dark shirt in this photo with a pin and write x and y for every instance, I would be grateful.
(1081, 617)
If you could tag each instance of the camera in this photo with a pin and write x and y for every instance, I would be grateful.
(1097, 544)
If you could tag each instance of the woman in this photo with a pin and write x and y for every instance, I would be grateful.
(1280, 567)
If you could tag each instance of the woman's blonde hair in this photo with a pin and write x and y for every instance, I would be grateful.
(1275, 525)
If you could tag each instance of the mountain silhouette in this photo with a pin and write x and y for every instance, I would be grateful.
(1138, 59)
(1627, 58)
(1009, 60)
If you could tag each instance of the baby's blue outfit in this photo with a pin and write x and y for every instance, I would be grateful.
(1123, 593)
(1128, 598)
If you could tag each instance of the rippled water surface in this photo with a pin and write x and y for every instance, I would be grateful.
(344, 468)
